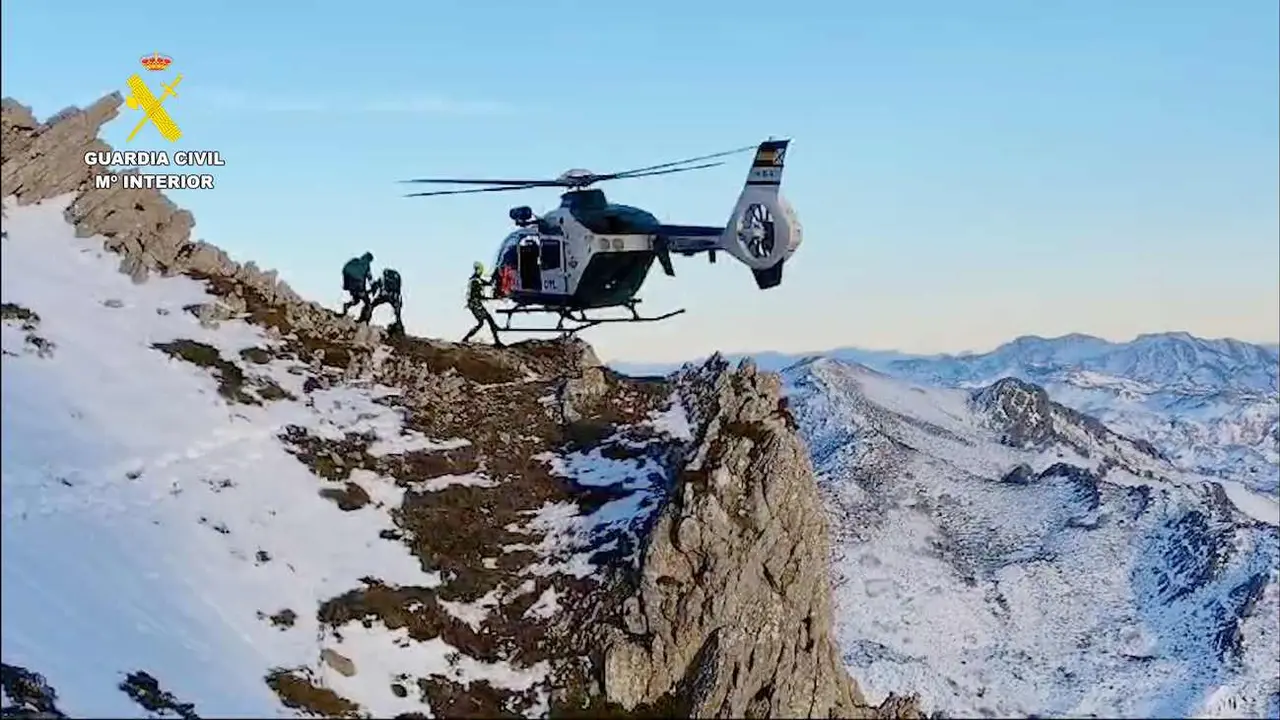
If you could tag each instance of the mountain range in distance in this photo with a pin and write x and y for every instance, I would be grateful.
(1209, 406)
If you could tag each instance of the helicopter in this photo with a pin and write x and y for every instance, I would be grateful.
(589, 254)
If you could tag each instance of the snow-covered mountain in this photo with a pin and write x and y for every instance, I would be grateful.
(207, 503)
(217, 507)
(1210, 406)
(223, 500)
(1005, 555)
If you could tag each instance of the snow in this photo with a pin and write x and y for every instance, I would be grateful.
(946, 409)
(1259, 507)
(148, 525)
(397, 441)
(436, 484)
(547, 605)
(392, 656)
(671, 422)
(1211, 406)
(1000, 599)
(1129, 389)
(571, 538)
(472, 613)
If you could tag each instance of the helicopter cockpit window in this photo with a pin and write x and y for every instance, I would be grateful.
(550, 259)
(507, 252)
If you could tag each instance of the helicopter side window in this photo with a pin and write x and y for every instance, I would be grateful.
(509, 256)
(550, 259)
(507, 252)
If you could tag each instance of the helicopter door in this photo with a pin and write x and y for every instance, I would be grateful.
(553, 279)
(530, 272)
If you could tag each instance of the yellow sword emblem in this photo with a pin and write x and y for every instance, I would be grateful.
(140, 96)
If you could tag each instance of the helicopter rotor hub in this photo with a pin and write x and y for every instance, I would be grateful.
(576, 178)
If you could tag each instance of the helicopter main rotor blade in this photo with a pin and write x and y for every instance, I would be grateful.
(581, 181)
(540, 183)
(658, 172)
(476, 190)
(504, 183)
(630, 173)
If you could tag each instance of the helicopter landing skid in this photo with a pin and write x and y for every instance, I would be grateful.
(571, 322)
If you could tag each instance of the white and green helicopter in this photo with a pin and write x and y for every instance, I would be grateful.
(590, 254)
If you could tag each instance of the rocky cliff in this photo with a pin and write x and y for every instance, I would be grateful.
(710, 598)
(733, 609)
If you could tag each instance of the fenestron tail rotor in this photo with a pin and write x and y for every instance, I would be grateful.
(574, 179)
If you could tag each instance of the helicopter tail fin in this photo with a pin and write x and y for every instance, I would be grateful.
(763, 231)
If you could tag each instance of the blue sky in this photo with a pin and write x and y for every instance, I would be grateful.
(966, 172)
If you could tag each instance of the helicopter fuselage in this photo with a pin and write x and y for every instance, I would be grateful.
(587, 253)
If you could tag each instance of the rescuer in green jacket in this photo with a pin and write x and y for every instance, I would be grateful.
(475, 303)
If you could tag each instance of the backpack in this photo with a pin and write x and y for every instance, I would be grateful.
(354, 271)
(391, 282)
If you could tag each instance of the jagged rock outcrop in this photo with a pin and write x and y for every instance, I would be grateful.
(148, 231)
(1025, 416)
(729, 612)
(1019, 409)
(733, 614)
(27, 694)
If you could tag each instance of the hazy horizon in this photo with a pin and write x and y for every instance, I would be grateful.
(1271, 345)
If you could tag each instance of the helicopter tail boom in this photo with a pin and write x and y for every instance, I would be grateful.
(763, 230)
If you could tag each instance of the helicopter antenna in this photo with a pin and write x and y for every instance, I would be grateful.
(572, 179)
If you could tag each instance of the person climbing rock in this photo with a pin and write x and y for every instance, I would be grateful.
(475, 303)
(356, 276)
(386, 291)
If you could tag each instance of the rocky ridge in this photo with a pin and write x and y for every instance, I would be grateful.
(1050, 566)
(1209, 406)
(725, 610)
(1026, 418)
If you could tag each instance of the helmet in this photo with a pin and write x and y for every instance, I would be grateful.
(478, 267)
(367, 257)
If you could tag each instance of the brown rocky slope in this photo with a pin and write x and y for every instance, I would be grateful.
(712, 602)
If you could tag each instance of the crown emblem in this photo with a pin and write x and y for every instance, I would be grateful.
(156, 61)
